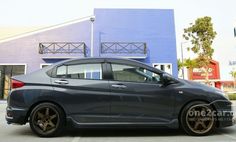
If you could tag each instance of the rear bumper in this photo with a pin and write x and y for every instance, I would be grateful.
(16, 115)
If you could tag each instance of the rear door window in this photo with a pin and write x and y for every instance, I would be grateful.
(81, 71)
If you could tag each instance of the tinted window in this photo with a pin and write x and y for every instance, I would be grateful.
(134, 74)
(61, 71)
(82, 71)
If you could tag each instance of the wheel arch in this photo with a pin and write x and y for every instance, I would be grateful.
(196, 100)
(43, 101)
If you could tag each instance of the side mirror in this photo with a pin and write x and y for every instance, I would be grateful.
(167, 79)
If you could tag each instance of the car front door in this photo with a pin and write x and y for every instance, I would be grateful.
(82, 89)
(138, 95)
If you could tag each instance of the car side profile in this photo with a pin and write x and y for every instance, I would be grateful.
(113, 92)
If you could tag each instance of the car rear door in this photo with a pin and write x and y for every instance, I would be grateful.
(81, 88)
(137, 95)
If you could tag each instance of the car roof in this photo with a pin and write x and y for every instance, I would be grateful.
(100, 60)
(124, 61)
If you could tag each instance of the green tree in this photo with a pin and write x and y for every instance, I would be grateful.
(233, 74)
(201, 34)
(180, 64)
(190, 64)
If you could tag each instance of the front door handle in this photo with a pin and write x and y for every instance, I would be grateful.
(61, 81)
(120, 86)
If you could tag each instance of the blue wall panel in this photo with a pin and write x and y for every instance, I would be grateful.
(154, 26)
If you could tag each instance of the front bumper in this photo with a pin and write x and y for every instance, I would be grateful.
(224, 113)
(226, 119)
(16, 115)
(234, 120)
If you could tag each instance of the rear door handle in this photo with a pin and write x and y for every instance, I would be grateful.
(121, 86)
(61, 81)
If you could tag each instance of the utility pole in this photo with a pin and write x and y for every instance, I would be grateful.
(92, 19)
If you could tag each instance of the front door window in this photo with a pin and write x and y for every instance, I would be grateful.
(134, 74)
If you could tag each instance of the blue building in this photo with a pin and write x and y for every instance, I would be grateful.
(147, 35)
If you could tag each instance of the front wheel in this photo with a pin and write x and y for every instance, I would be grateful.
(47, 120)
(197, 119)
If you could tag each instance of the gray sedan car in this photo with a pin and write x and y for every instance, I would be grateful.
(113, 93)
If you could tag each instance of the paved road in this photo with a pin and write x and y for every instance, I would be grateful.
(15, 133)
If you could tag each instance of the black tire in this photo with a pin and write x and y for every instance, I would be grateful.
(191, 121)
(47, 120)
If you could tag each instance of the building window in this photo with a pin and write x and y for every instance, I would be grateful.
(166, 67)
(44, 65)
(6, 72)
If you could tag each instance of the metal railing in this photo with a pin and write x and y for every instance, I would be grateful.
(62, 48)
(124, 47)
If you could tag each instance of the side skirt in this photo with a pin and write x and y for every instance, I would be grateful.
(174, 124)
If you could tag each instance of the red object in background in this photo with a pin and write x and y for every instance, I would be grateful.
(214, 72)
(218, 85)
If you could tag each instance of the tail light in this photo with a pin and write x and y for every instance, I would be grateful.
(16, 84)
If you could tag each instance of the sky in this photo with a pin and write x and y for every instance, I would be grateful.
(18, 16)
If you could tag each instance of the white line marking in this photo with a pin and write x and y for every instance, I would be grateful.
(75, 139)
(229, 136)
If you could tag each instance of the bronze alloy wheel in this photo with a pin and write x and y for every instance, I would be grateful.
(46, 120)
(198, 119)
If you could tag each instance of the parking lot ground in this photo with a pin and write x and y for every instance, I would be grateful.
(18, 133)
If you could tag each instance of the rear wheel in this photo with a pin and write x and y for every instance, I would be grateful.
(47, 120)
(197, 119)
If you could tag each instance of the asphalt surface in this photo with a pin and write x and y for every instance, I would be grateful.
(18, 133)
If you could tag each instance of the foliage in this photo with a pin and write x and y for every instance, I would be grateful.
(180, 64)
(232, 96)
(233, 74)
(190, 63)
(201, 34)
